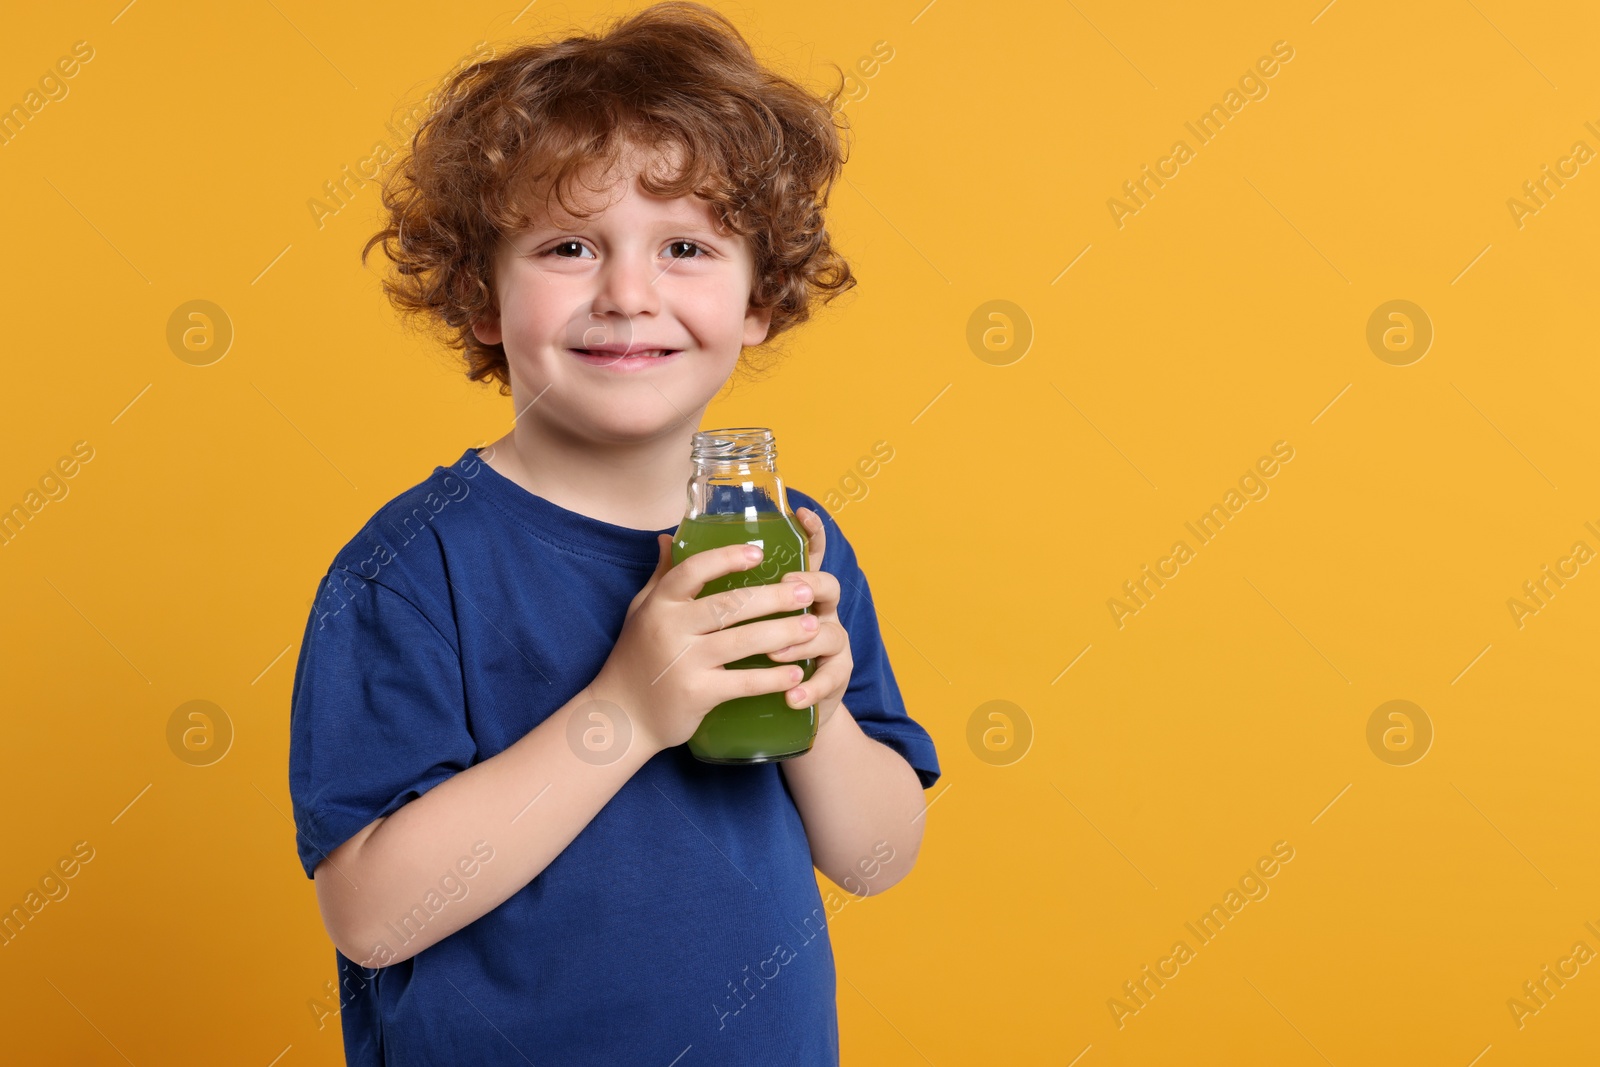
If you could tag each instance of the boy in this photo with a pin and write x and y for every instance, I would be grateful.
(516, 856)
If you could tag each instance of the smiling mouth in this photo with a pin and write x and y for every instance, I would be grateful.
(651, 353)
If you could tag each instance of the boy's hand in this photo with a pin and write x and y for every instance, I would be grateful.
(666, 671)
(830, 644)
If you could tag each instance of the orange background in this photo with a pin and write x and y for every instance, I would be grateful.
(1072, 839)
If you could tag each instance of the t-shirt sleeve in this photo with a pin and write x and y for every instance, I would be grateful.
(377, 713)
(873, 695)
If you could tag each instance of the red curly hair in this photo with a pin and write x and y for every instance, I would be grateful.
(676, 76)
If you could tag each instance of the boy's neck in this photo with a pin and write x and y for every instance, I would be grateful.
(640, 487)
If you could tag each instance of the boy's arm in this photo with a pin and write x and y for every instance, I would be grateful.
(527, 803)
(860, 800)
(861, 804)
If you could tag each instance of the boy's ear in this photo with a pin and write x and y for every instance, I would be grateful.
(756, 324)
(487, 331)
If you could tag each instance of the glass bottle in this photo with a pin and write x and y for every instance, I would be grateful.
(736, 497)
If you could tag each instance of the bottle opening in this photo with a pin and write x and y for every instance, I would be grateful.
(734, 445)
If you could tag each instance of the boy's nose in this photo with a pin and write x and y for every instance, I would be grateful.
(627, 286)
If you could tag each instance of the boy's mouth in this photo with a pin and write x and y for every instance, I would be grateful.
(639, 359)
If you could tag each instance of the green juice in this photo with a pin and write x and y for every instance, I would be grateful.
(760, 728)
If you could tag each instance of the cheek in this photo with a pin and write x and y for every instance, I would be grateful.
(537, 315)
(718, 313)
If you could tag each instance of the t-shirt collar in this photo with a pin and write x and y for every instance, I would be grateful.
(568, 530)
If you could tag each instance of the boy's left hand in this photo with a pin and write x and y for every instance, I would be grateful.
(829, 645)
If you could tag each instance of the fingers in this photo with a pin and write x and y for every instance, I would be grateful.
(816, 536)
(663, 565)
(687, 579)
(755, 681)
(830, 676)
(734, 606)
(756, 638)
(824, 586)
(829, 639)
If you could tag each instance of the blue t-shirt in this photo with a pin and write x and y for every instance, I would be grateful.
(683, 921)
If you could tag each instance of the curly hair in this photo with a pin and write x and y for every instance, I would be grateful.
(762, 149)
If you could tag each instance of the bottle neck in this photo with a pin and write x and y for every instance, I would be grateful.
(744, 489)
(736, 473)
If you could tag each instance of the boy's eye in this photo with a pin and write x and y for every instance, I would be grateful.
(556, 250)
(695, 251)
(687, 244)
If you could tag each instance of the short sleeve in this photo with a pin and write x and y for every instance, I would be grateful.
(377, 713)
(873, 695)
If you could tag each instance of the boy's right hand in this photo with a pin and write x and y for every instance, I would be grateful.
(666, 671)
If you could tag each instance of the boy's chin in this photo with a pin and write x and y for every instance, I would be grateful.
(638, 418)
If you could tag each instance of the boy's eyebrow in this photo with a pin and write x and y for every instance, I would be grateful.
(679, 219)
(672, 223)
(526, 242)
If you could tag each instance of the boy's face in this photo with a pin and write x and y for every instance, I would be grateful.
(645, 272)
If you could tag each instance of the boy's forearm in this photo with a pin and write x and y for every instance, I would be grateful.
(857, 797)
(527, 803)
